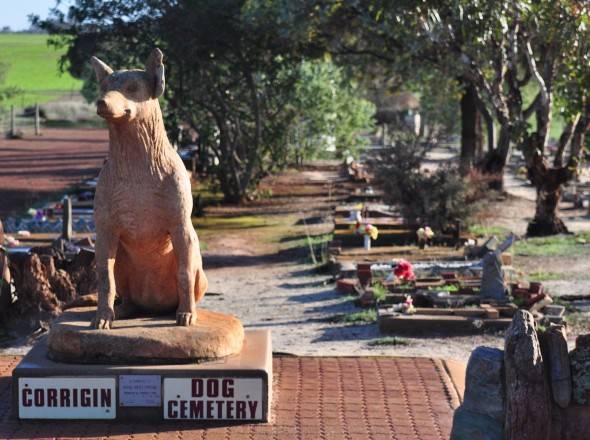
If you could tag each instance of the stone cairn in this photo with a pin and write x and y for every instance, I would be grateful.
(534, 389)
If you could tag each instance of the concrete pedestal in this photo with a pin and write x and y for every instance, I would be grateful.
(235, 388)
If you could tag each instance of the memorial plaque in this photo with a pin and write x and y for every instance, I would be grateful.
(67, 398)
(140, 390)
(213, 398)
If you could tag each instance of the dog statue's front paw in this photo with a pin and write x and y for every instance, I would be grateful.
(186, 318)
(104, 319)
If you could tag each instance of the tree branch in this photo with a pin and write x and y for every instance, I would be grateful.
(545, 98)
(528, 112)
(564, 140)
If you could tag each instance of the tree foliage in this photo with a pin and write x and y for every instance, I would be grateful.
(231, 74)
(329, 113)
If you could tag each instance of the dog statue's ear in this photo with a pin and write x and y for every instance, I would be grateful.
(154, 66)
(101, 69)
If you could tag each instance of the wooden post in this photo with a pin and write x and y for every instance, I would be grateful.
(67, 219)
(12, 122)
(37, 121)
(194, 166)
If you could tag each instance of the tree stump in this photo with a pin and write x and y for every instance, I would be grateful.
(528, 406)
(555, 353)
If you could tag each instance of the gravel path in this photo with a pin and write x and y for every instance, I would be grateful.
(297, 306)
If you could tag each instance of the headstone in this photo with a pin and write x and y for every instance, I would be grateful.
(492, 280)
(493, 286)
(555, 353)
(528, 406)
(580, 368)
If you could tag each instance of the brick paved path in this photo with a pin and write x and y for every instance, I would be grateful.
(314, 398)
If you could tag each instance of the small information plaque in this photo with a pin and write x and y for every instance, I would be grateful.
(140, 390)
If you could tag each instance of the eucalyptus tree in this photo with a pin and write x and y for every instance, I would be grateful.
(499, 51)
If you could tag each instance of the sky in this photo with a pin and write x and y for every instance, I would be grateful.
(14, 13)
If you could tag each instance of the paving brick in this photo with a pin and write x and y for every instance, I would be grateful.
(316, 398)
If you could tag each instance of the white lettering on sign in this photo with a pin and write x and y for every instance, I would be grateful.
(67, 397)
(140, 390)
(213, 398)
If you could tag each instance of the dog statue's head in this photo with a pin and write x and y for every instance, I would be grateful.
(127, 95)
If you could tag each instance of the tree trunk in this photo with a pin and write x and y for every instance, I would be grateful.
(494, 162)
(548, 182)
(492, 165)
(471, 134)
(546, 221)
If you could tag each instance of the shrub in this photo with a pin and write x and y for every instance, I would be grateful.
(437, 197)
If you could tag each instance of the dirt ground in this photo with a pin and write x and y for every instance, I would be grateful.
(36, 167)
(254, 276)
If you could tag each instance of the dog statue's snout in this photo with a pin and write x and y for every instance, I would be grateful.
(101, 106)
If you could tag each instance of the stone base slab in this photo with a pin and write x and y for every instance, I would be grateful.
(235, 388)
(145, 340)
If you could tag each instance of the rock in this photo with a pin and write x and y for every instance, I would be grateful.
(555, 353)
(528, 405)
(484, 383)
(150, 340)
(580, 369)
(470, 425)
(481, 415)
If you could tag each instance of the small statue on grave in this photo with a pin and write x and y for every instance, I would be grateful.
(493, 286)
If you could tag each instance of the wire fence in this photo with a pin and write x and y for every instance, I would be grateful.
(25, 124)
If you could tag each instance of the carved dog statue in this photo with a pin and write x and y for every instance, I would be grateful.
(147, 251)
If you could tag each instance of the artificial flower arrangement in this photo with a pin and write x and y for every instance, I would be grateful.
(366, 229)
(425, 233)
(403, 270)
(408, 306)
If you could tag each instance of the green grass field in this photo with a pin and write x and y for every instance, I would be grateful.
(33, 68)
